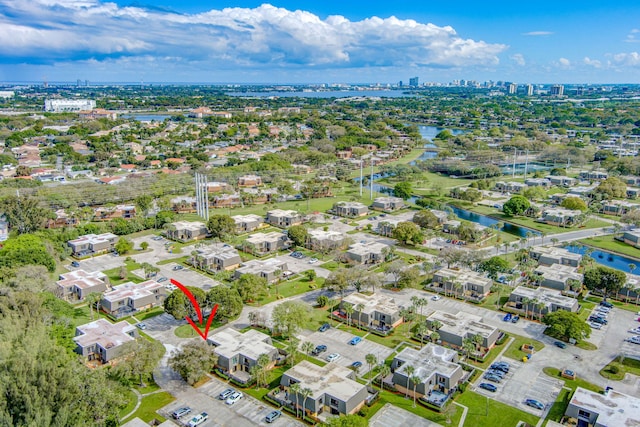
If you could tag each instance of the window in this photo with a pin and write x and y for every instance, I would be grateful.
(584, 414)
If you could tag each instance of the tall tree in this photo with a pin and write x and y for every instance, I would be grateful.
(193, 361)
(24, 214)
(289, 317)
(221, 225)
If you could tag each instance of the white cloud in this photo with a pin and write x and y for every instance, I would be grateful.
(592, 62)
(518, 59)
(630, 59)
(563, 63)
(632, 36)
(538, 33)
(57, 30)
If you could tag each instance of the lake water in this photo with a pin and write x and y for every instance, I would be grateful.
(489, 222)
(326, 94)
(429, 133)
(608, 259)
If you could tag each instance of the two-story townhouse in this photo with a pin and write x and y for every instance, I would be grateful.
(77, 284)
(216, 258)
(129, 298)
(103, 341)
(284, 218)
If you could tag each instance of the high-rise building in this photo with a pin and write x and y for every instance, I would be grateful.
(529, 90)
(512, 88)
(414, 81)
(557, 90)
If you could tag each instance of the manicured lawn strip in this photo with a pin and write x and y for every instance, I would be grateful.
(150, 404)
(491, 357)
(132, 400)
(503, 295)
(627, 365)
(514, 351)
(290, 288)
(485, 412)
(572, 384)
(559, 407)
(618, 304)
(317, 317)
(608, 243)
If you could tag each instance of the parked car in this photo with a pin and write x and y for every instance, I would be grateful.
(181, 412)
(313, 260)
(198, 419)
(75, 264)
(355, 340)
(560, 344)
(606, 304)
(634, 340)
(497, 373)
(436, 297)
(142, 326)
(234, 398)
(325, 327)
(501, 366)
(272, 416)
(489, 387)
(225, 394)
(319, 349)
(597, 319)
(507, 317)
(333, 357)
(162, 279)
(595, 325)
(635, 330)
(515, 319)
(534, 404)
(177, 267)
(492, 378)
(356, 364)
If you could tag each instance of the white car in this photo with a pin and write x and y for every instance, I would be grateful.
(333, 357)
(595, 325)
(635, 331)
(313, 260)
(436, 297)
(634, 340)
(198, 419)
(234, 398)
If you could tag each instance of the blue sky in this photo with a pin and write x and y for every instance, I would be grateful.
(320, 41)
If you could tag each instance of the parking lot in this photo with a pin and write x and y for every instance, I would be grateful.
(298, 265)
(521, 383)
(337, 341)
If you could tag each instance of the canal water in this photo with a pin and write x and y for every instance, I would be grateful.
(489, 222)
(607, 259)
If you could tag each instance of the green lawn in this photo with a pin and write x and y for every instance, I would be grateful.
(572, 384)
(514, 351)
(619, 304)
(132, 400)
(400, 401)
(627, 365)
(496, 300)
(608, 243)
(490, 358)
(290, 288)
(150, 404)
(485, 412)
(559, 407)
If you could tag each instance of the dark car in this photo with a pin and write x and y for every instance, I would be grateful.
(515, 319)
(488, 386)
(534, 404)
(500, 367)
(356, 364)
(75, 264)
(319, 349)
(492, 378)
(272, 416)
(355, 340)
(606, 304)
(560, 344)
(597, 319)
(324, 327)
(496, 372)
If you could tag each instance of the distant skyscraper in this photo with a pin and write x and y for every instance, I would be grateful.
(413, 81)
(529, 90)
(557, 90)
(512, 88)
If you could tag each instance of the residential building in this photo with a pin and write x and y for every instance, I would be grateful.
(376, 311)
(110, 213)
(441, 215)
(540, 301)
(537, 182)
(67, 105)
(61, 220)
(386, 227)
(465, 283)
(226, 201)
(90, 244)
(559, 277)
(238, 352)
(249, 181)
(612, 409)
(270, 269)
(510, 186)
(350, 209)
(455, 328)
(129, 298)
(595, 175)
(367, 253)
(186, 231)
(4, 228)
(551, 255)
(322, 241)
(437, 368)
(387, 204)
(265, 243)
(216, 258)
(334, 388)
(633, 192)
(103, 341)
(618, 207)
(631, 237)
(451, 226)
(247, 223)
(217, 187)
(560, 217)
(77, 284)
(581, 191)
(184, 204)
(562, 181)
(284, 218)
(557, 90)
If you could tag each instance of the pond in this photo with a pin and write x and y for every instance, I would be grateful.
(607, 259)
(489, 222)
(428, 133)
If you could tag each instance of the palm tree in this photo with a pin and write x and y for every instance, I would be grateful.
(435, 336)
(384, 371)
(409, 317)
(295, 389)
(435, 325)
(359, 309)
(348, 309)
(92, 299)
(415, 380)
(525, 306)
(478, 340)
(306, 392)
(468, 346)
(457, 286)
(554, 241)
(540, 305)
(409, 370)
(421, 331)
(371, 360)
(307, 347)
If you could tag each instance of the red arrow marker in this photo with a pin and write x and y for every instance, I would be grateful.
(195, 304)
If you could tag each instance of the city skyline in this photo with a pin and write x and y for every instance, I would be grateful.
(311, 42)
